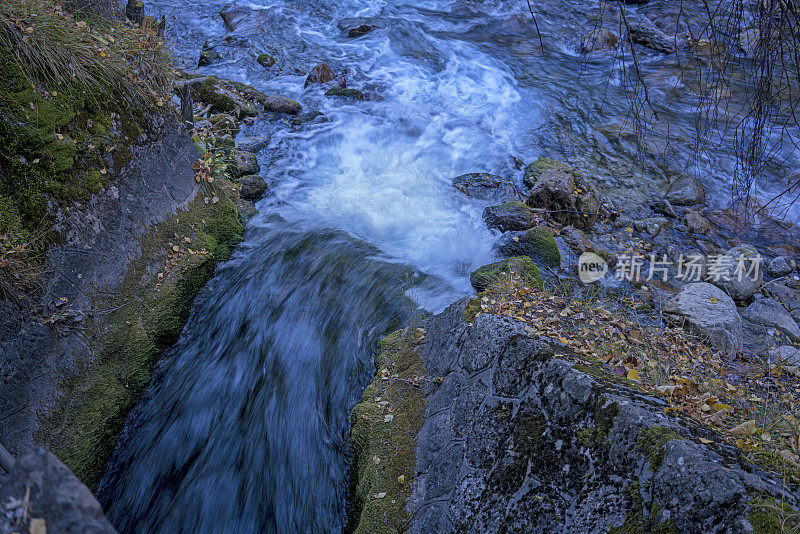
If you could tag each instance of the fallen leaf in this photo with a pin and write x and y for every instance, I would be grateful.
(748, 428)
(633, 374)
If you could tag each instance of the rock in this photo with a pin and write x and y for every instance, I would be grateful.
(739, 271)
(304, 118)
(499, 274)
(781, 266)
(224, 124)
(252, 187)
(785, 355)
(535, 169)
(664, 207)
(345, 92)
(652, 225)
(772, 314)
(320, 74)
(597, 40)
(232, 15)
(224, 97)
(697, 223)
(209, 55)
(265, 60)
(511, 215)
(536, 243)
(358, 26)
(54, 495)
(788, 297)
(685, 192)
(485, 186)
(566, 196)
(645, 33)
(281, 104)
(576, 240)
(708, 312)
(242, 163)
(134, 11)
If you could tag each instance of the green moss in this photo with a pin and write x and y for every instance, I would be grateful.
(147, 315)
(473, 308)
(768, 516)
(651, 441)
(535, 169)
(773, 461)
(604, 415)
(637, 522)
(265, 60)
(499, 273)
(587, 436)
(379, 499)
(536, 243)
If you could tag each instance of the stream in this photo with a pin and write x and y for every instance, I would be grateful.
(245, 427)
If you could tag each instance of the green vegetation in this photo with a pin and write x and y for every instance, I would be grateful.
(637, 522)
(535, 169)
(540, 244)
(773, 461)
(511, 272)
(768, 516)
(651, 441)
(385, 425)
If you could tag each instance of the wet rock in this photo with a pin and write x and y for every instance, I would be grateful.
(358, 26)
(708, 312)
(243, 163)
(53, 494)
(501, 274)
(232, 15)
(511, 215)
(224, 124)
(566, 196)
(739, 271)
(781, 266)
(224, 96)
(597, 40)
(697, 223)
(685, 191)
(664, 207)
(535, 169)
(485, 186)
(770, 313)
(265, 60)
(645, 33)
(209, 55)
(536, 243)
(252, 186)
(652, 225)
(305, 117)
(281, 104)
(576, 240)
(345, 92)
(785, 355)
(321, 74)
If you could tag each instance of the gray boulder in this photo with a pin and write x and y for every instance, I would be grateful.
(281, 104)
(781, 266)
(708, 312)
(485, 186)
(357, 26)
(243, 163)
(785, 355)
(645, 33)
(685, 191)
(567, 197)
(772, 314)
(55, 496)
(697, 223)
(511, 215)
(253, 187)
(738, 271)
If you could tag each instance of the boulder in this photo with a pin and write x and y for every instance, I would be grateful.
(652, 225)
(785, 355)
(252, 186)
(56, 500)
(685, 191)
(536, 243)
(224, 124)
(781, 266)
(535, 169)
(484, 186)
(265, 60)
(224, 97)
(787, 296)
(345, 92)
(511, 215)
(243, 163)
(645, 33)
(739, 271)
(576, 240)
(663, 206)
(357, 26)
(321, 74)
(770, 313)
(708, 312)
(281, 104)
(566, 196)
(232, 15)
(501, 274)
(597, 40)
(209, 54)
(697, 223)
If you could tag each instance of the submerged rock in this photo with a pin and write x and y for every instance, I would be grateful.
(265, 60)
(485, 186)
(708, 312)
(598, 40)
(511, 215)
(645, 33)
(502, 274)
(209, 54)
(358, 26)
(321, 74)
(345, 92)
(770, 313)
(232, 15)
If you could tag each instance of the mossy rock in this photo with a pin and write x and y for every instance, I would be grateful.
(224, 97)
(536, 243)
(496, 273)
(265, 60)
(345, 92)
(509, 216)
(224, 124)
(535, 169)
(651, 441)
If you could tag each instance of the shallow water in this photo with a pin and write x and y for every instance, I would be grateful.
(246, 424)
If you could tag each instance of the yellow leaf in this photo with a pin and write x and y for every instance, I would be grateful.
(705, 441)
(401, 479)
(748, 428)
(713, 300)
(633, 374)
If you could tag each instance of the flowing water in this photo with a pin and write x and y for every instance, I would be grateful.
(245, 427)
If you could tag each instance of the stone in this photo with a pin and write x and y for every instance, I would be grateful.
(781, 266)
(536, 243)
(598, 40)
(233, 14)
(357, 26)
(535, 169)
(770, 313)
(663, 206)
(566, 197)
(685, 191)
(576, 240)
(785, 355)
(709, 313)
(697, 223)
(253, 187)
(499, 274)
(511, 215)
(224, 96)
(243, 163)
(739, 271)
(321, 74)
(345, 92)
(265, 60)
(281, 104)
(224, 124)
(645, 33)
(652, 225)
(54, 495)
(209, 54)
(485, 186)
